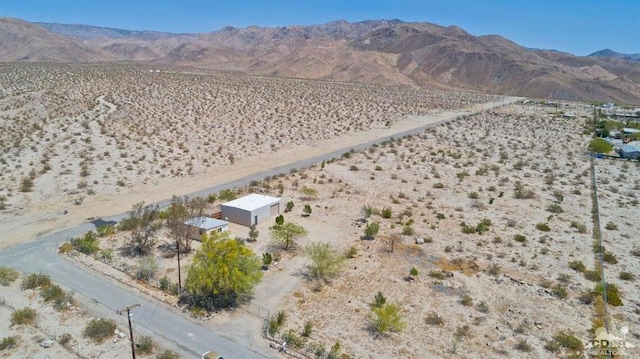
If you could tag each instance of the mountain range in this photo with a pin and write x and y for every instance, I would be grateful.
(374, 51)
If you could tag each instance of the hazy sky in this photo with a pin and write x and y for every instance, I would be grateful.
(576, 26)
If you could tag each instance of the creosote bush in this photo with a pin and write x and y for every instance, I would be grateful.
(7, 276)
(99, 329)
(8, 343)
(24, 316)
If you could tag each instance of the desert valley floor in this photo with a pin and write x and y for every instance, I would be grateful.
(493, 210)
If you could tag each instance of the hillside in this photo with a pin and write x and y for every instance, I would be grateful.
(374, 52)
(26, 42)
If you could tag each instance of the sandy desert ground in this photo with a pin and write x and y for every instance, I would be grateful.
(502, 199)
(504, 292)
(107, 136)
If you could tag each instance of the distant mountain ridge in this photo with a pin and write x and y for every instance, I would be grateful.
(389, 52)
(610, 53)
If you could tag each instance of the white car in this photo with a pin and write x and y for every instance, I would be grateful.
(211, 355)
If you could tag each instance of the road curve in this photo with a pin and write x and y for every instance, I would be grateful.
(41, 256)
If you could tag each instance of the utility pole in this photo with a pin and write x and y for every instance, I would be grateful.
(128, 309)
(179, 274)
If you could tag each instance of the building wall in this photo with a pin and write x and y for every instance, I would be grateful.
(247, 218)
(236, 215)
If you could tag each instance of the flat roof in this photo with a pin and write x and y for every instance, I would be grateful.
(252, 202)
(205, 222)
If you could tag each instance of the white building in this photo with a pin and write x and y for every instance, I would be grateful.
(201, 225)
(251, 209)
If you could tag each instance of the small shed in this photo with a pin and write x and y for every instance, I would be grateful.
(251, 209)
(201, 225)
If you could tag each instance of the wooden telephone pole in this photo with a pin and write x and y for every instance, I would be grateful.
(128, 309)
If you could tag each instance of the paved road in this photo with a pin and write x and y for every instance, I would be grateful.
(41, 256)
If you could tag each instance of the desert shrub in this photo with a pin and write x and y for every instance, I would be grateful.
(289, 207)
(483, 225)
(523, 346)
(559, 291)
(65, 339)
(57, 295)
(587, 297)
(593, 275)
(613, 295)
(168, 354)
(147, 268)
(99, 329)
(627, 276)
(352, 252)
(577, 266)
(462, 332)
(26, 184)
(579, 226)
(437, 275)
(543, 227)
(555, 208)
(407, 230)
(523, 193)
(467, 229)
(145, 345)
(87, 244)
(483, 307)
(65, 248)
(433, 318)
(466, 300)
(413, 272)
(35, 280)
(568, 341)
(520, 238)
(379, 300)
(386, 318)
(7, 276)
(609, 257)
(307, 329)
(293, 339)
(438, 185)
(367, 211)
(386, 212)
(24, 316)
(611, 226)
(473, 195)
(494, 269)
(227, 195)
(8, 343)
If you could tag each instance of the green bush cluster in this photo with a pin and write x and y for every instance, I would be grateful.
(8, 343)
(99, 329)
(87, 244)
(7, 276)
(24, 316)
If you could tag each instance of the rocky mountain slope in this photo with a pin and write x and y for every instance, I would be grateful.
(375, 51)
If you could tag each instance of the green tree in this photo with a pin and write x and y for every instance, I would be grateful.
(227, 195)
(599, 145)
(253, 233)
(371, 230)
(286, 234)
(386, 318)
(223, 271)
(307, 210)
(326, 261)
(289, 206)
(143, 224)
